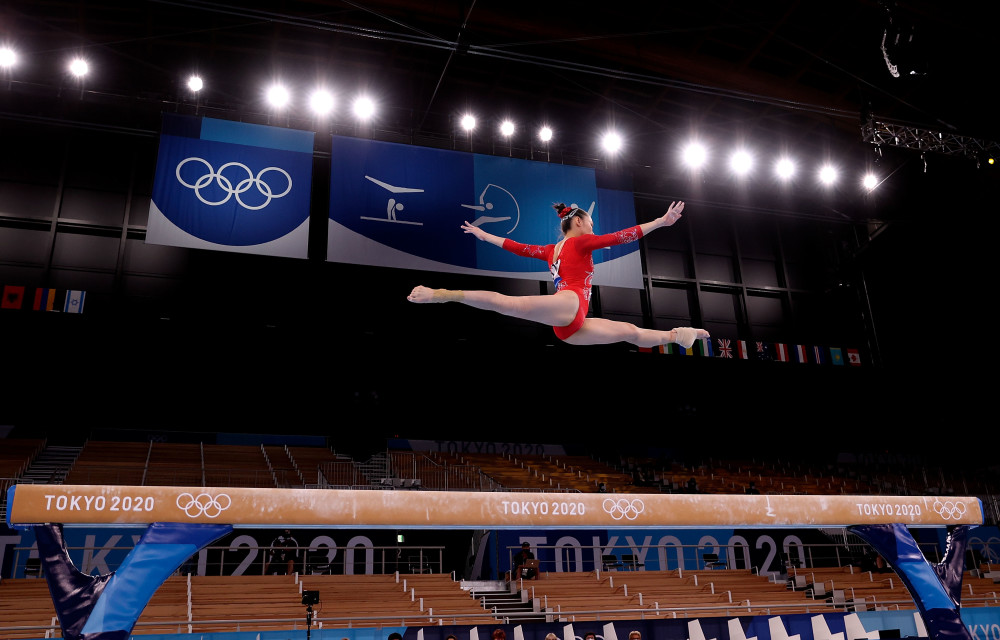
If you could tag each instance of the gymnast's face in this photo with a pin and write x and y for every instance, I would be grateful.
(586, 223)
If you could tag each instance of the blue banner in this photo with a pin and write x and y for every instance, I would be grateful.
(403, 206)
(232, 186)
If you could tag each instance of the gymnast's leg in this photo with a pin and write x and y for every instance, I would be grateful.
(556, 310)
(604, 331)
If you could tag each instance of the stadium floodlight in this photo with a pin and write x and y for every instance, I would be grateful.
(784, 168)
(321, 102)
(870, 181)
(507, 128)
(828, 174)
(8, 58)
(278, 96)
(364, 107)
(545, 134)
(468, 122)
(694, 155)
(612, 142)
(195, 83)
(79, 67)
(741, 162)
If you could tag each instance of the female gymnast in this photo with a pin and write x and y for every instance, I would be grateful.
(572, 267)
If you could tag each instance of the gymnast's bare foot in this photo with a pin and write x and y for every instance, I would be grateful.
(421, 294)
(685, 336)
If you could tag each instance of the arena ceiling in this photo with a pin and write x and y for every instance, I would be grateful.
(799, 75)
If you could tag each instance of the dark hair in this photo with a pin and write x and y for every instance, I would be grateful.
(566, 215)
(499, 634)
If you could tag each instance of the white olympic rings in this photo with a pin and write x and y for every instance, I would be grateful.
(204, 504)
(949, 510)
(226, 185)
(623, 508)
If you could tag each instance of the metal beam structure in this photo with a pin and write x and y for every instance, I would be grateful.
(924, 140)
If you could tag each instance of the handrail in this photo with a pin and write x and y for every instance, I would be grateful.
(145, 468)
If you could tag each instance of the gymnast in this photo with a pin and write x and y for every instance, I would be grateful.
(572, 267)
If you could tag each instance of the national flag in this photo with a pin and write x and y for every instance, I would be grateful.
(13, 296)
(781, 352)
(725, 347)
(45, 300)
(669, 349)
(645, 350)
(705, 346)
(763, 350)
(741, 349)
(820, 355)
(74, 301)
(799, 353)
(689, 351)
(854, 357)
(836, 355)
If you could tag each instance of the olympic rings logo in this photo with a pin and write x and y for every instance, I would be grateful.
(949, 510)
(204, 504)
(623, 508)
(227, 185)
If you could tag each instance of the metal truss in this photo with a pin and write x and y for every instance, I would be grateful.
(925, 140)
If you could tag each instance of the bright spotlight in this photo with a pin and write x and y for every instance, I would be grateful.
(468, 122)
(364, 108)
(195, 84)
(545, 134)
(870, 181)
(741, 163)
(784, 168)
(79, 67)
(321, 102)
(507, 128)
(277, 96)
(7, 57)
(694, 155)
(612, 142)
(827, 175)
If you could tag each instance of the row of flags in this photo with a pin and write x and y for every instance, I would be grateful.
(72, 301)
(42, 299)
(760, 350)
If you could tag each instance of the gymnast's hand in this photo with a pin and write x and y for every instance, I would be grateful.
(672, 215)
(474, 230)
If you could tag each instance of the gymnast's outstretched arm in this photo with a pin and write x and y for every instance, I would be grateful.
(482, 235)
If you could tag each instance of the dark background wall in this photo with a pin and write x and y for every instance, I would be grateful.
(195, 338)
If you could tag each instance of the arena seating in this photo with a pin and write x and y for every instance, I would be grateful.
(197, 464)
(676, 594)
(25, 602)
(16, 454)
(103, 462)
(159, 463)
(308, 460)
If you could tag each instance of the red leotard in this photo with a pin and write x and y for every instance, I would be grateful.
(574, 269)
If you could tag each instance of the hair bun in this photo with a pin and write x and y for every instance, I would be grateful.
(562, 209)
